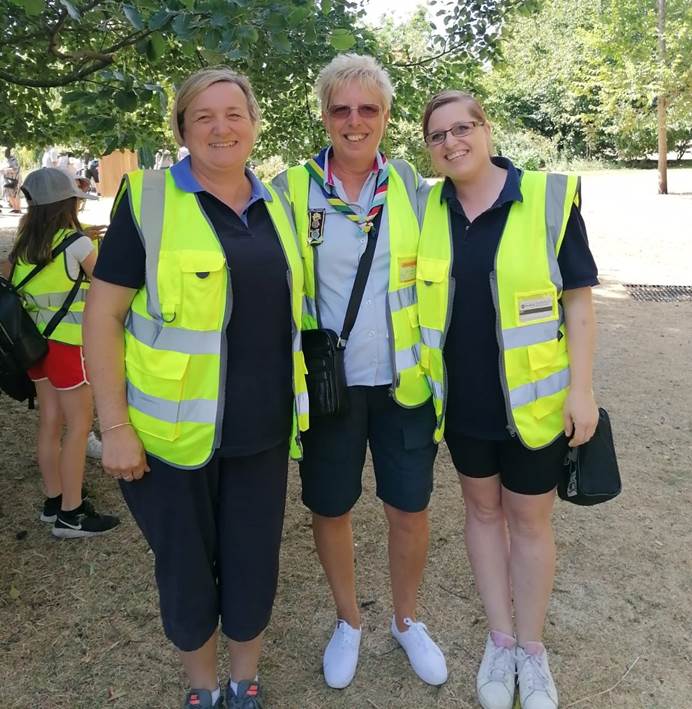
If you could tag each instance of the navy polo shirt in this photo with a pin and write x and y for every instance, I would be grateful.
(476, 405)
(259, 390)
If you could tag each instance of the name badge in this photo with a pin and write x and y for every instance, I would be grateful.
(316, 226)
(407, 269)
(535, 307)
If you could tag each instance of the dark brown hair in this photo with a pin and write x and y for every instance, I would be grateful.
(450, 96)
(37, 228)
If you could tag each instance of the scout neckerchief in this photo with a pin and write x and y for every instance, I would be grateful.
(315, 166)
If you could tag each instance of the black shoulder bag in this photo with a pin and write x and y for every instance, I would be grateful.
(591, 473)
(324, 349)
(22, 345)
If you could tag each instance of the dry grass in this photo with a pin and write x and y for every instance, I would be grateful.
(79, 626)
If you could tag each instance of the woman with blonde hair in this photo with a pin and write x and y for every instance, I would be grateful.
(351, 203)
(504, 289)
(193, 337)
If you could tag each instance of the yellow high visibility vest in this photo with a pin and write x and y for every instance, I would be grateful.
(526, 286)
(47, 291)
(410, 387)
(175, 361)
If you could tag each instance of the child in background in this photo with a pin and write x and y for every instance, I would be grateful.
(60, 377)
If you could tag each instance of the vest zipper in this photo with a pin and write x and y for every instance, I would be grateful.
(511, 426)
(223, 350)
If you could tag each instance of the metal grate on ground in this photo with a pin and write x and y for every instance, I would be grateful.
(659, 294)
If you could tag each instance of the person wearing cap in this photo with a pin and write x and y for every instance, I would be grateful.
(61, 379)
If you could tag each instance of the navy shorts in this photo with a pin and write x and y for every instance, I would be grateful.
(401, 444)
(215, 534)
(527, 472)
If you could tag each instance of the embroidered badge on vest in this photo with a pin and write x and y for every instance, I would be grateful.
(316, 228)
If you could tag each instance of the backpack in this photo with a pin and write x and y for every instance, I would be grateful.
(21, 343)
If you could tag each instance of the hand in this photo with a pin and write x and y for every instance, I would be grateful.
(97, 231)
(123, 454)
(581, 417)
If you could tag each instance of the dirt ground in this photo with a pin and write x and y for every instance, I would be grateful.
(79, 625)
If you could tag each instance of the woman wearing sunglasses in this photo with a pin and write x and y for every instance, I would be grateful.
(504, 291)
(336, 197)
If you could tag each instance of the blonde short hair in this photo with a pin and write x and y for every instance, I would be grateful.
(201, 80)
(345, 68)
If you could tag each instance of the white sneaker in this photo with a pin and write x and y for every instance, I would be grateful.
(341, 655)
(94, 447)
(536, 687)
(496, 678)
(425, 657)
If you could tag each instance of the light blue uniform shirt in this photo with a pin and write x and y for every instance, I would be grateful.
(186, 181)
(367, 358)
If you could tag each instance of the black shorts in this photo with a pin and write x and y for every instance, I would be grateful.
(527, 472)
(215, 534)
(401, 444)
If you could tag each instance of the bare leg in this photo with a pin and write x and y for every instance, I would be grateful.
(408, 550)
(485, 533)
(50, 423)
(77, 409)
(334, 543)
(245, 658)
(532, 559)
(200, 665)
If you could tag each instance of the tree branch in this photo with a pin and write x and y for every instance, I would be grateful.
(60, 81)
(427, 60)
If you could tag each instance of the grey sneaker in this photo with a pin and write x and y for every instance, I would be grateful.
(536, 686)
(201, 699)
(249, 696)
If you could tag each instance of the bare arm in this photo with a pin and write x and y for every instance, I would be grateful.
(5, 267)
(89, 263)
(580, 411)
(106, 308)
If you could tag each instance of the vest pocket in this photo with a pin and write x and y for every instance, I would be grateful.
(431, 274)
(155, 386)
(202, 290)
(542, 354)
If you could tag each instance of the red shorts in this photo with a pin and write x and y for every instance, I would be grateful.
(63, 366)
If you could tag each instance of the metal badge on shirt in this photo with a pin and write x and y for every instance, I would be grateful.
(535, 306)
(316, 226)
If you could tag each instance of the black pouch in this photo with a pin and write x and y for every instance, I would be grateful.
(326, 378)
(591, 474)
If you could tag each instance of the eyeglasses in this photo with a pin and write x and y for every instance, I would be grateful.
(365, 110)
(458, 130)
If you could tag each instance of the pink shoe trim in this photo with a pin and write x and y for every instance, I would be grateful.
(501, 639)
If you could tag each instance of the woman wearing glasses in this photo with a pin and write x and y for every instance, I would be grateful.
(336, 197)
(504, 289)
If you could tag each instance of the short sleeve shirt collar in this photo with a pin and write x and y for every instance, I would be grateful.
(186, 181)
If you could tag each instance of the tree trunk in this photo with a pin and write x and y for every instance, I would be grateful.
(661, 103)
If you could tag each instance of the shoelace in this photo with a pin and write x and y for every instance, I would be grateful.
(501, 663)
(420, 631)
(537, 678)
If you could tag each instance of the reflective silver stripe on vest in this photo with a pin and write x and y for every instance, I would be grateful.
(555, 192)
(407, 358)
(408, 177)
(45, 316)
(189, 410)
(54, 300)
(176, 339)
(402, 298)
(532, 391)
(310, 307)
(529, 334)
(431, 337)
(302, 403)
(151, 225)
(437, 388)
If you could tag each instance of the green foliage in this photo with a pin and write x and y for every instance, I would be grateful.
(268, 169)
(586, 74)
(525, 148)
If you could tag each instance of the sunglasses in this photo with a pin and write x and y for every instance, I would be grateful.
(365, 110)
(458, 130)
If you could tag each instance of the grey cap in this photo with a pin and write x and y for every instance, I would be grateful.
(48, 185)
